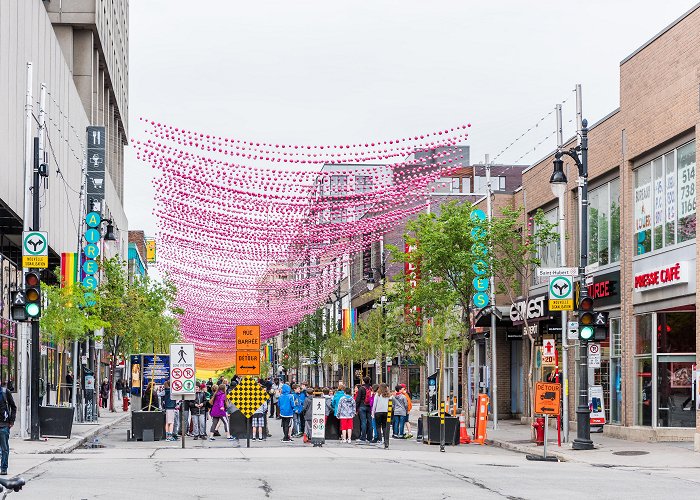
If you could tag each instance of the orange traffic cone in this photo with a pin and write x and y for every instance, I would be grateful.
(463, 434)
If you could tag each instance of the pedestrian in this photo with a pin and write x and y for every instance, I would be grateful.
(399, 414)
(8, 412)
(218, 411)
(407, 395)
(198, 410)
(380, 408)
(298, 407)
(339, 393)
(149, 401)
(210, 384)
(169, 405)
(303, 394)
(329, 402)
(119, 386)
(275, 395)
(286, 411)
(363, 399)
(307, 414)
(345, 412)
(258, 422)
(374, 434)
(69, 383)
(104, 393)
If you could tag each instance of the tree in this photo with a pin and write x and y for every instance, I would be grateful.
(445, 251)
(516, 243)
(140, 313)
(67, 317)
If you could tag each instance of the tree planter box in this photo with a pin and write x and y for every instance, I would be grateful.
(431, 429)
(56, 421)
(141, 420)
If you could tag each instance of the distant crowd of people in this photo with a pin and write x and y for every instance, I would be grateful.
(206, 416)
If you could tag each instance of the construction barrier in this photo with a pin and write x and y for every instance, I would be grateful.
(482, 417)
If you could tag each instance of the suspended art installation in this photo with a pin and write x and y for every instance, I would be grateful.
(256, 232)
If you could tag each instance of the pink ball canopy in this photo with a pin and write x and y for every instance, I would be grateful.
(259, 232)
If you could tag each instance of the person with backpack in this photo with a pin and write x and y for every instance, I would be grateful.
(8, 412)
(380, 408)
(364, 410)
(345, 412)
(400, 413)
(286, 411)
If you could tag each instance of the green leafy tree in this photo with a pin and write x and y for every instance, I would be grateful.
(67, 318)
(445, 251)
(516, 243)
(140, 313)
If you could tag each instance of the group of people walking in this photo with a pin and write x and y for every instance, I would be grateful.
(370, 403)
(209, 403)
(291, 403)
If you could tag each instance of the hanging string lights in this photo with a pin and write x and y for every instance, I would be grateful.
(256, 232)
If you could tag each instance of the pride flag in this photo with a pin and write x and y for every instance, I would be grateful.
(70, 269)
(349, 318)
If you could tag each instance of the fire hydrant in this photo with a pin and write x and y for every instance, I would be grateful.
(125, 403)
(539, 431)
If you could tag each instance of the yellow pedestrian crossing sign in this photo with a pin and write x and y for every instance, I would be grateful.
(248, 395)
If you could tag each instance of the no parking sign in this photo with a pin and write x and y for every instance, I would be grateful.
(182, 369)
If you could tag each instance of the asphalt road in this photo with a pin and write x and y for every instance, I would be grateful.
(277, 470)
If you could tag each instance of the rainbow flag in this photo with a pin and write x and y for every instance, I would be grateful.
(349, 318)
(70, 269)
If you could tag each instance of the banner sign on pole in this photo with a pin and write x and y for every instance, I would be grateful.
(596, 404)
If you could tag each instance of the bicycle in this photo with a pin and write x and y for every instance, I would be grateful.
(7, 486)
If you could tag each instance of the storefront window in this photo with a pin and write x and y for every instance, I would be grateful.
(643, 341)
(615, 372)
(604, 224)
(643, 390)
(664, 200)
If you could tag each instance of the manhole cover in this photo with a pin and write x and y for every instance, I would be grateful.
(631, 453)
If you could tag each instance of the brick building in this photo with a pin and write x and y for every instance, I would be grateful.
(642, 242)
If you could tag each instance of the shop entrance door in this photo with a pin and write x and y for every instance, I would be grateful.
(516, 377)
(676, 406)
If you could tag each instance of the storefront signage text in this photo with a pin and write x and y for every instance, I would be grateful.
(665, 276)
(533, 309)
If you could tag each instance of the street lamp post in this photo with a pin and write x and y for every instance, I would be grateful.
(583, 426)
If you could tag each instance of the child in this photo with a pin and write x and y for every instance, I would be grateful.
(345, 411)
(298, 406)
(307, 413)
(259, 422)
(286, 409)
(405, 393)
(400, 413)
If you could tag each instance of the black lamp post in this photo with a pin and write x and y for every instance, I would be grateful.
(583, 425)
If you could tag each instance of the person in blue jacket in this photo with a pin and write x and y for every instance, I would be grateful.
(338, 394)
(286, 405)
(300, 397)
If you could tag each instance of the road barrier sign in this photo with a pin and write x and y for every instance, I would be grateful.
(547, 398)
(248, 338)
(248, 395)
(182, 369)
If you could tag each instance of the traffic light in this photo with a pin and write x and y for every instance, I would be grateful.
(586, 319)
(601, 326)
(32, 294)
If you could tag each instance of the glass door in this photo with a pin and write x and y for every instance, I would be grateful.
(676, 407)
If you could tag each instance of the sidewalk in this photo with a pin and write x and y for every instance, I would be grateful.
(608, 452)
(82, 433)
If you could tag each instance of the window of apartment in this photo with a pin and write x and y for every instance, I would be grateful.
(549, 254)
(664, 200)
(604, 223)
(498, 183)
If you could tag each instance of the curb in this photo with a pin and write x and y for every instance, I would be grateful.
(507, 445)
(70, 447)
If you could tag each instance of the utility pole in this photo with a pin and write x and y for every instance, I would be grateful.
(493, 382)
(564, 318)
(35, 356)
(24, 329)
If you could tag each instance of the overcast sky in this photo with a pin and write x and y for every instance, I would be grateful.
(327, 71)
